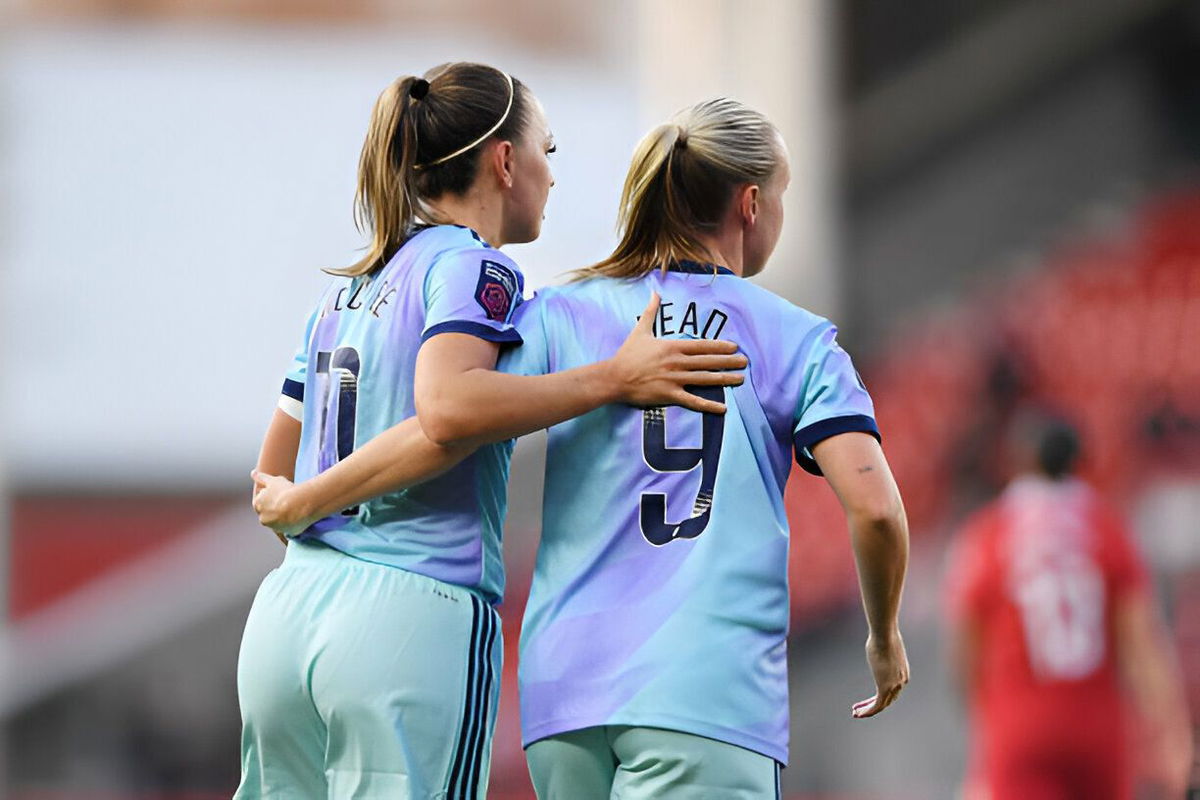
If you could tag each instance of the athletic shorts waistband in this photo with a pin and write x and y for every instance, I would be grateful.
(307, 554)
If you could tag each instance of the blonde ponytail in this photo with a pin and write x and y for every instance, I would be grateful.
(680, 183)
(422, 142)
(384, 200)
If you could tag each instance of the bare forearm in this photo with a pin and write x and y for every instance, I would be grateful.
(396, 459)
(881, 552)
(279, 447)
(881, 555)
(488, 406)
(460, 399)
(859, 474)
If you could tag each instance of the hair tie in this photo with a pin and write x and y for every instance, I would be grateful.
(681, 137)
(418, 89)
(512, 93)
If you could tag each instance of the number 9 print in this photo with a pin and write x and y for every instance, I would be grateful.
(660, 458)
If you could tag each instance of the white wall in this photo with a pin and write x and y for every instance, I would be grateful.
(169, 195)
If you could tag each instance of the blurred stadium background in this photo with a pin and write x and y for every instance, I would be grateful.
(998, 200)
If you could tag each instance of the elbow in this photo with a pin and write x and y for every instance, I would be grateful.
(885, 516)
(444, 428)
(444, 420)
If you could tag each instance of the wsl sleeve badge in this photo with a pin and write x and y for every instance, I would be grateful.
(497, 289)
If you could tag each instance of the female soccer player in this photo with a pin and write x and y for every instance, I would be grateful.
(369, 658)
(653, 653)
(1054, 630)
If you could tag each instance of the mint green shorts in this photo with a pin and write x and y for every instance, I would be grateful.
(358, 680)
(618, 762)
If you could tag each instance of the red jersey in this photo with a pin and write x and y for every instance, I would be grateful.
(1036, 575)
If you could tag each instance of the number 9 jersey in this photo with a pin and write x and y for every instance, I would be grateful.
(353, 379)
(660, 595)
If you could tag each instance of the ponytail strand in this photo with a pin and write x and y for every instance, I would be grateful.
(385, 199)
(681, 182)
(422, 143)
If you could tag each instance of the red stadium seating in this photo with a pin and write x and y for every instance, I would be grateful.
(1106, 332)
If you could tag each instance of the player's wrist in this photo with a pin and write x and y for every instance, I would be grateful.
(608, 383)
(302, 504)
(883, 637)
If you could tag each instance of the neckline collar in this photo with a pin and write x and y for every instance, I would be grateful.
(421, 227)
(697, 268)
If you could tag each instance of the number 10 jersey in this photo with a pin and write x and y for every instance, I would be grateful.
(660, 594)
(353, 379)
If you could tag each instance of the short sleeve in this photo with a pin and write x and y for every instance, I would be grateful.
(532, 357)
(833, 398)
(291, 397)
(475, 291)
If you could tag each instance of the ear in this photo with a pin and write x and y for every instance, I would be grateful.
(502, 163)
(747, 204)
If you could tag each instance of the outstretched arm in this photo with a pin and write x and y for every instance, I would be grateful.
(856, 469)
(462, 399)
(462, 403)
(398, 458)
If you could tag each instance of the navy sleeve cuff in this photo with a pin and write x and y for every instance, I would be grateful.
(293, 389)
(478, 329)
(811, 435)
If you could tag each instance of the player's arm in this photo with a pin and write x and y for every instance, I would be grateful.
(1153, 677)
(278, 453)
(398, 458)
(461, 399)
(280, 445)
(856, 469)
(404, 454)
(465, 402)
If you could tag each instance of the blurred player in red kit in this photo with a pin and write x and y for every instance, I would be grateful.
(1053, 631)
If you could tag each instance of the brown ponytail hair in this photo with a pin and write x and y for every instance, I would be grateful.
(411, 152)
(681, 182)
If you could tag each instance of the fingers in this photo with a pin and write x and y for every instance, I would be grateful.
(695, 403)
(876, 702)
(871, 706)
(714, 362)
(864, 708)
(711, 378)
(646, 321)
(697, 347)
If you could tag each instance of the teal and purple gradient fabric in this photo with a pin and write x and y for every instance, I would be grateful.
(660, 594)
(354, 375)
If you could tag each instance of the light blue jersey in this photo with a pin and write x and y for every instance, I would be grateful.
(354, 378)
(660, 596)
